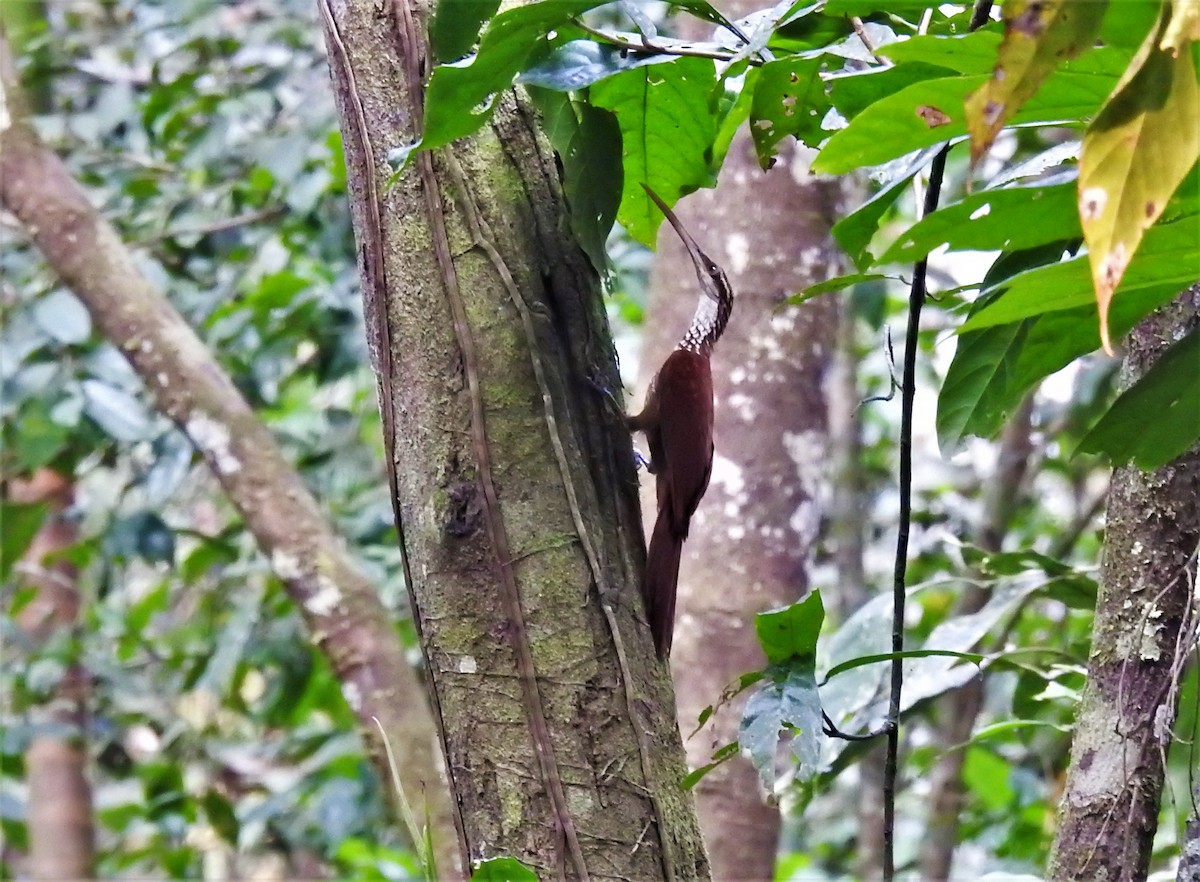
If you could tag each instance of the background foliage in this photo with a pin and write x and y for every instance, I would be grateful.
(207, 135)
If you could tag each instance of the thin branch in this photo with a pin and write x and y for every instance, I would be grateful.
(645, 47)
(860, 30)
(916, 300)
(908, 387)
(217, 226)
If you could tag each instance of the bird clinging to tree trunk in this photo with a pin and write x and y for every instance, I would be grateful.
(678, 422)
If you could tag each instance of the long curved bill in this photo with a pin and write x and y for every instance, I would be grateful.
(706, 271)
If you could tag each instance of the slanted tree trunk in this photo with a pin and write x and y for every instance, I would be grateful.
(1110, 805)
(341, 607)
(750, 539)
(514, 479)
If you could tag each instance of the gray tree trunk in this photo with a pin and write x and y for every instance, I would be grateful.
(1109, 810)
(750, 539)
(514, 480)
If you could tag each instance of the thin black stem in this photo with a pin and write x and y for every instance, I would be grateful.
(916, 299)
(908, 387)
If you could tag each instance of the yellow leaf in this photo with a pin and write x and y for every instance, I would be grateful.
(1135, 154)
(1038, 35)
(1183, 28)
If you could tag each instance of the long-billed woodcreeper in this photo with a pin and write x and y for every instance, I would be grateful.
(678, 422)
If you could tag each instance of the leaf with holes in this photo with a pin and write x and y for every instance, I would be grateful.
(1135, 154)
(789, 99)
(1038, 36)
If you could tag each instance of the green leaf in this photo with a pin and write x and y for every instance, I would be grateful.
(994, 367)
(560, 119)
(1075, 591)
(1038, 36)
(789, 99)
(732, 112)
(838, 283)
(854, 91)
(1010, 563)
(973, 657)
(972, 53)
(461, 96)
(455, 26)
(588, 142)
(791, 632)
(1167, 258)
(592, 178)
(502, 869)
(721, 755)
(855, 231)
(979, 392)
(987, 778)
(785, 705)
(577, 64)
(40, 439)
(1135, 153)
(1158, 417)
(931, 112)
(20, 523)
(667, 131)
(222, 817)
(1009, 219)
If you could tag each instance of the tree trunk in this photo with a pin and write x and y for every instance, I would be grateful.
(1110, 806)
(750, 540)
(513, 479)
(340, 605)
(1189, 861)
(958, 711)
(59, 820)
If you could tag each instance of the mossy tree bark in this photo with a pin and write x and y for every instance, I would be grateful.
(1144, 615)
(513, 479)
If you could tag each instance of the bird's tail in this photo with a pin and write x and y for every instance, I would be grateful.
(662, 576)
